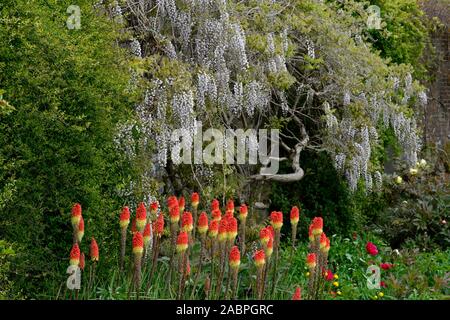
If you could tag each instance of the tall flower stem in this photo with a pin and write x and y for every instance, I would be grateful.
(182, 267)
(242, 236)
(123, 241)
(155, 255)
(173, 240)
(194, 212)
(200, 265)
(275, 263)
(222, 248)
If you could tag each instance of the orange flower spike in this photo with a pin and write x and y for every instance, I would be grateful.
(243, 212)
(311, 260)
(188, 268)
(216, 215)
(323, 241)
(269, 248)
(141, 217)
(75, 255)
(147, 234)
(235, 258)
(215, 205)
(232, 228)
(125, 217)
(187, 223)
(297, 294)
(154, 207)
(260, 258)
(230, 206)
(202, 224)
(213, 229)
(182, 242)
(138, 243)
(295, 215)
(317, 226)
(264, 236)
(310, 233)
(327, 246)
(94, 250)
(223, 230)
(158, 226)
(80, 230)
(82, 262)
(271, 230)
(172, 201)
(181, 204)
(133, 226)
(195, 200)
(174, 214)
(276, 220)
(76, 214)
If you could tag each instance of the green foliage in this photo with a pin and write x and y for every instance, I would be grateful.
(68, 89)
(404, 37)
(417, 210)
(322, 192)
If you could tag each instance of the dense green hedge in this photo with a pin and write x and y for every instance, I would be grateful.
(69, 89)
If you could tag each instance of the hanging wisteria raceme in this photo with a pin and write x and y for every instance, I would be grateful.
(235, 65)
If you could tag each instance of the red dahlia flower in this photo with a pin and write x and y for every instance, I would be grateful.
(297, 294)
(371, 249)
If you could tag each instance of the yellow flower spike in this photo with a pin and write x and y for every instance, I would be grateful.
(336, 276)
(381, 294)
(336, 284)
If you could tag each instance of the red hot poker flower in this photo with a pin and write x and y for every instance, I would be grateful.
(187, 223)
(81, 265)
(232, 228)
(230, 206)
(264, 236)
(154, 207)
(133, 226)
(172, 201)
(80, 231)
(182, 241)
(323, 241)
(317, 226)
(223, 230)
(269, 248)
(371, 249)
(311, 260)
(125, 217)
(271, 230)
(213, 228)
(295, 215)
(243, 212)
(202, 224)
(159, 225)
(141, 217)
(147, 234)
(94, 250)
(181, 204)
(235, 258)
(310, 233)
(76, 214)
(215, 204)
(216, 215)
(297, 294)
(260, 258)
(174, 214)
(75, 255)
(276, 219)
(195, 199)
(138, 243)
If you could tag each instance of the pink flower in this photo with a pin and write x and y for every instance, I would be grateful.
(371, 249)
(329, 275)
